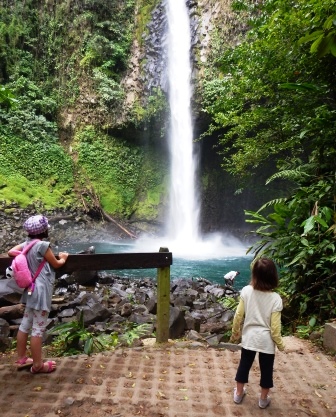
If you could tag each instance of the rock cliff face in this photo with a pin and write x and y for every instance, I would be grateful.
(148, 63)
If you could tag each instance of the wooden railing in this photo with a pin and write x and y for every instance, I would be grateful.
(106, 261)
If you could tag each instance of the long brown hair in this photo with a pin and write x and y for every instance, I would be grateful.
(264, 275)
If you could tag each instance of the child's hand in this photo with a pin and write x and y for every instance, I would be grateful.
(63, 255)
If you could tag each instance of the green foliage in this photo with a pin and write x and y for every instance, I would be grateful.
(50, 54)
(112, 166)
(154, 108)
(230, 303)
(135, 332)
(304, 330)
(7, 99)
(32, 172)
(110, 92)
(31, 117)
(143, 17)
(153, 184)
(324, 39)
(107, 47)
(72, 338)
(244, 89)
(299, 234)
(56, 42)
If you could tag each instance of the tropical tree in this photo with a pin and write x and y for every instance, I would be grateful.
(7, 99)
(272, 98)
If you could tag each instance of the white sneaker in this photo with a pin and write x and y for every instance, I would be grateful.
(264, 403)
(238, 398)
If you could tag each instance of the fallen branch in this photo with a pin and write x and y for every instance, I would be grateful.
(96, 204)
(110, 219)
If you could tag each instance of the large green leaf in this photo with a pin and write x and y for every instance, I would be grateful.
(310, 36)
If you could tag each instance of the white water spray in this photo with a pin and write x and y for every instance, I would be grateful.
(183, 219)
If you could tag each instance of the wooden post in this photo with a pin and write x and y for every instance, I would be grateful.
(163, 302)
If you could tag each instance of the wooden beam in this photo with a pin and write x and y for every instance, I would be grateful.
(107, 261)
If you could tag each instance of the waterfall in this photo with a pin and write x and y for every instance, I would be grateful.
(183, 236)
(183, 218)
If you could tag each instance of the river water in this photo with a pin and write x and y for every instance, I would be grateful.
(197, 266)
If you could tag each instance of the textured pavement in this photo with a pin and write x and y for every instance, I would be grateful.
(169, 382)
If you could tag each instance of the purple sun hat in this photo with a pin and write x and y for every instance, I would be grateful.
(36, 225)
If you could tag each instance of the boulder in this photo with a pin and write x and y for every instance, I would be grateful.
(329, 336)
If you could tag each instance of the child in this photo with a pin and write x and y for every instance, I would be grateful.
(261, 329)
(38, 303)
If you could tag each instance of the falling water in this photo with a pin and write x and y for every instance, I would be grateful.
(183, 236)
(183, 220)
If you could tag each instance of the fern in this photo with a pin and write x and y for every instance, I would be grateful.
(288, 174)
(271, 203)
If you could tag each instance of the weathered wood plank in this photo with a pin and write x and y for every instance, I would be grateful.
(107, 261)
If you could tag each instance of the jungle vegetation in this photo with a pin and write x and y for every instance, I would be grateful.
(61, 67)
(269, 97)
(272, 97)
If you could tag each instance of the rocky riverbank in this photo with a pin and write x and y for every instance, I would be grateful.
(110, 304)
(66, 227)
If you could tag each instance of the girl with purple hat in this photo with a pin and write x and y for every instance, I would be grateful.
(38, 302)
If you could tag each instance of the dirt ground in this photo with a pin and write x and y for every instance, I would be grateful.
(169, 381)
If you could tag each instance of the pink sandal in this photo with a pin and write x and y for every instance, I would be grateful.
(46, 368)
(24, 363)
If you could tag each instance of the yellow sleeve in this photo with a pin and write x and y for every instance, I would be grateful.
(237, 320)
(276, 330)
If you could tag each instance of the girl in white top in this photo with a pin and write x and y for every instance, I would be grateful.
(260, 308)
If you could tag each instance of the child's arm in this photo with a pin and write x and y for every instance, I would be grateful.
(238, 318)
(276, 330)
(13, 252)
(53, 261)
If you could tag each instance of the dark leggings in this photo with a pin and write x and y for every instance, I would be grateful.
(266, 363)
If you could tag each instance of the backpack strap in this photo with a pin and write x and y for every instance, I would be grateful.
(27, 248)
(39, 269)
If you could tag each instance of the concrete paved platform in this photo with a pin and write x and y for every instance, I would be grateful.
(169, 382)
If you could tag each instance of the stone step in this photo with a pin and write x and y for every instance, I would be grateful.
(329, 337)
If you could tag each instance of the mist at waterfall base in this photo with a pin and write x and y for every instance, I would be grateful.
(210, 258)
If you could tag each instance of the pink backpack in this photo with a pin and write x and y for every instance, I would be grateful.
(21, 271)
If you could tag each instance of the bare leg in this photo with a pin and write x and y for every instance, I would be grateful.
(240, 388)
(21, 346)
(264, 392)
(36, 349)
